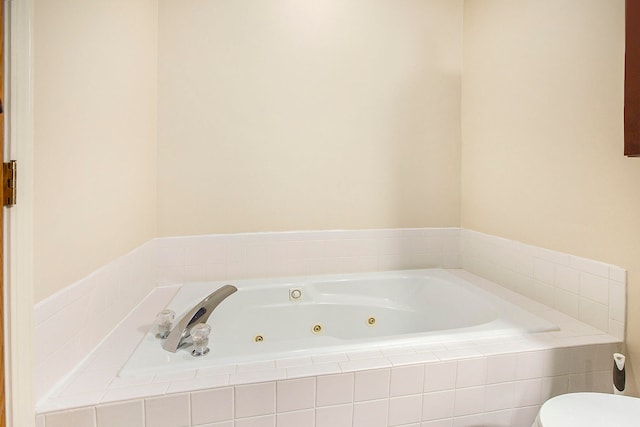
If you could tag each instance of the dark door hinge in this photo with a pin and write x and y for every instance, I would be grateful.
(9, 175)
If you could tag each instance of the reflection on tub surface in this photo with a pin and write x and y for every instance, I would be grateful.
(269, 319)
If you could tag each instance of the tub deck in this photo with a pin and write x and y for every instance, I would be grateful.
(96, 380)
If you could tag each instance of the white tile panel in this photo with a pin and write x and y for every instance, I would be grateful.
(469, 401)
(404, 410)
(448, 422)
(212, 406)
(590, 266)
(468, 421)
(407, 380)
(594, 287)
(264, 421)
(76, 418)
(524, 416)
(501, 368)
(334, 389)
(527, 392)
(438, 405)
(471, 372)
(530, 365)
(544, 270)
(167, 411)
(130, 414)
(440, 376)
(373, 384)
(294, 395)
(304, 418)
(255, 399)
(499, 396)
(372, 413)
(498, 418)
(334, 416)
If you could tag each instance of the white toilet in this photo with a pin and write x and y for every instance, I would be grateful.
(589, 410)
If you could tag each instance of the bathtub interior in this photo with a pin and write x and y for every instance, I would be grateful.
(336, 314)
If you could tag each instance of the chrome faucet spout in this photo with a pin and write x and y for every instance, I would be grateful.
(198, 314)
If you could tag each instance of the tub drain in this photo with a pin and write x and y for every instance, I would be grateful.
(258, 338)
(317, 328)
(371, 321)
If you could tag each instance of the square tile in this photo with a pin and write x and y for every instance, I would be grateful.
(499, 396)
(437, 405)
(469, 421)
(617, 297)
(372, 384)
(334, 416)
(469, 401)
(617, 274)
(524, 416)
(76, 418)
(544, 270)
(595, 288)
(567, 279)
(372, 413)
(129, 414)
(296, 419)
(264, 421)
(293, 395)
(471, 372)
(334, 389)
(528, 392)
(594, 314)
(255, 399)
(498, 418)
(589, 266)
(440, 376)
(405, 410)
(212, 406)
(557, 362)
(554, 386)
(567, 302)
(167, 411)
(501, 368)
(447, 422)
(529, 365)
(407, 380)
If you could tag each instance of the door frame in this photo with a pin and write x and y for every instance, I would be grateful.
(18, 225)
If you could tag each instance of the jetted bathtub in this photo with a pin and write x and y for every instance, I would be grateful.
(269, 319)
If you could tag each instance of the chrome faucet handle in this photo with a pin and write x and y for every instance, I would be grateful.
(200, 334)
(164, 321)
(198, 314)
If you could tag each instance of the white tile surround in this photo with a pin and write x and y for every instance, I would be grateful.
(447, 384)
(590, 291)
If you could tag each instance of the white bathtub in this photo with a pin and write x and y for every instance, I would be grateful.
(336, 314)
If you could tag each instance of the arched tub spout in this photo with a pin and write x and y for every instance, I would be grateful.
(198, 314)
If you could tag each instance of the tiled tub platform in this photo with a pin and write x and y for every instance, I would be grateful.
(492, 382)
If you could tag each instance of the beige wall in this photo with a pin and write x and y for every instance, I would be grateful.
(95, 135)
(284, 115)
(542, 152)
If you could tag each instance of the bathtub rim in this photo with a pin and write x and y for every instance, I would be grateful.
(573, 333)
(161, 363)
